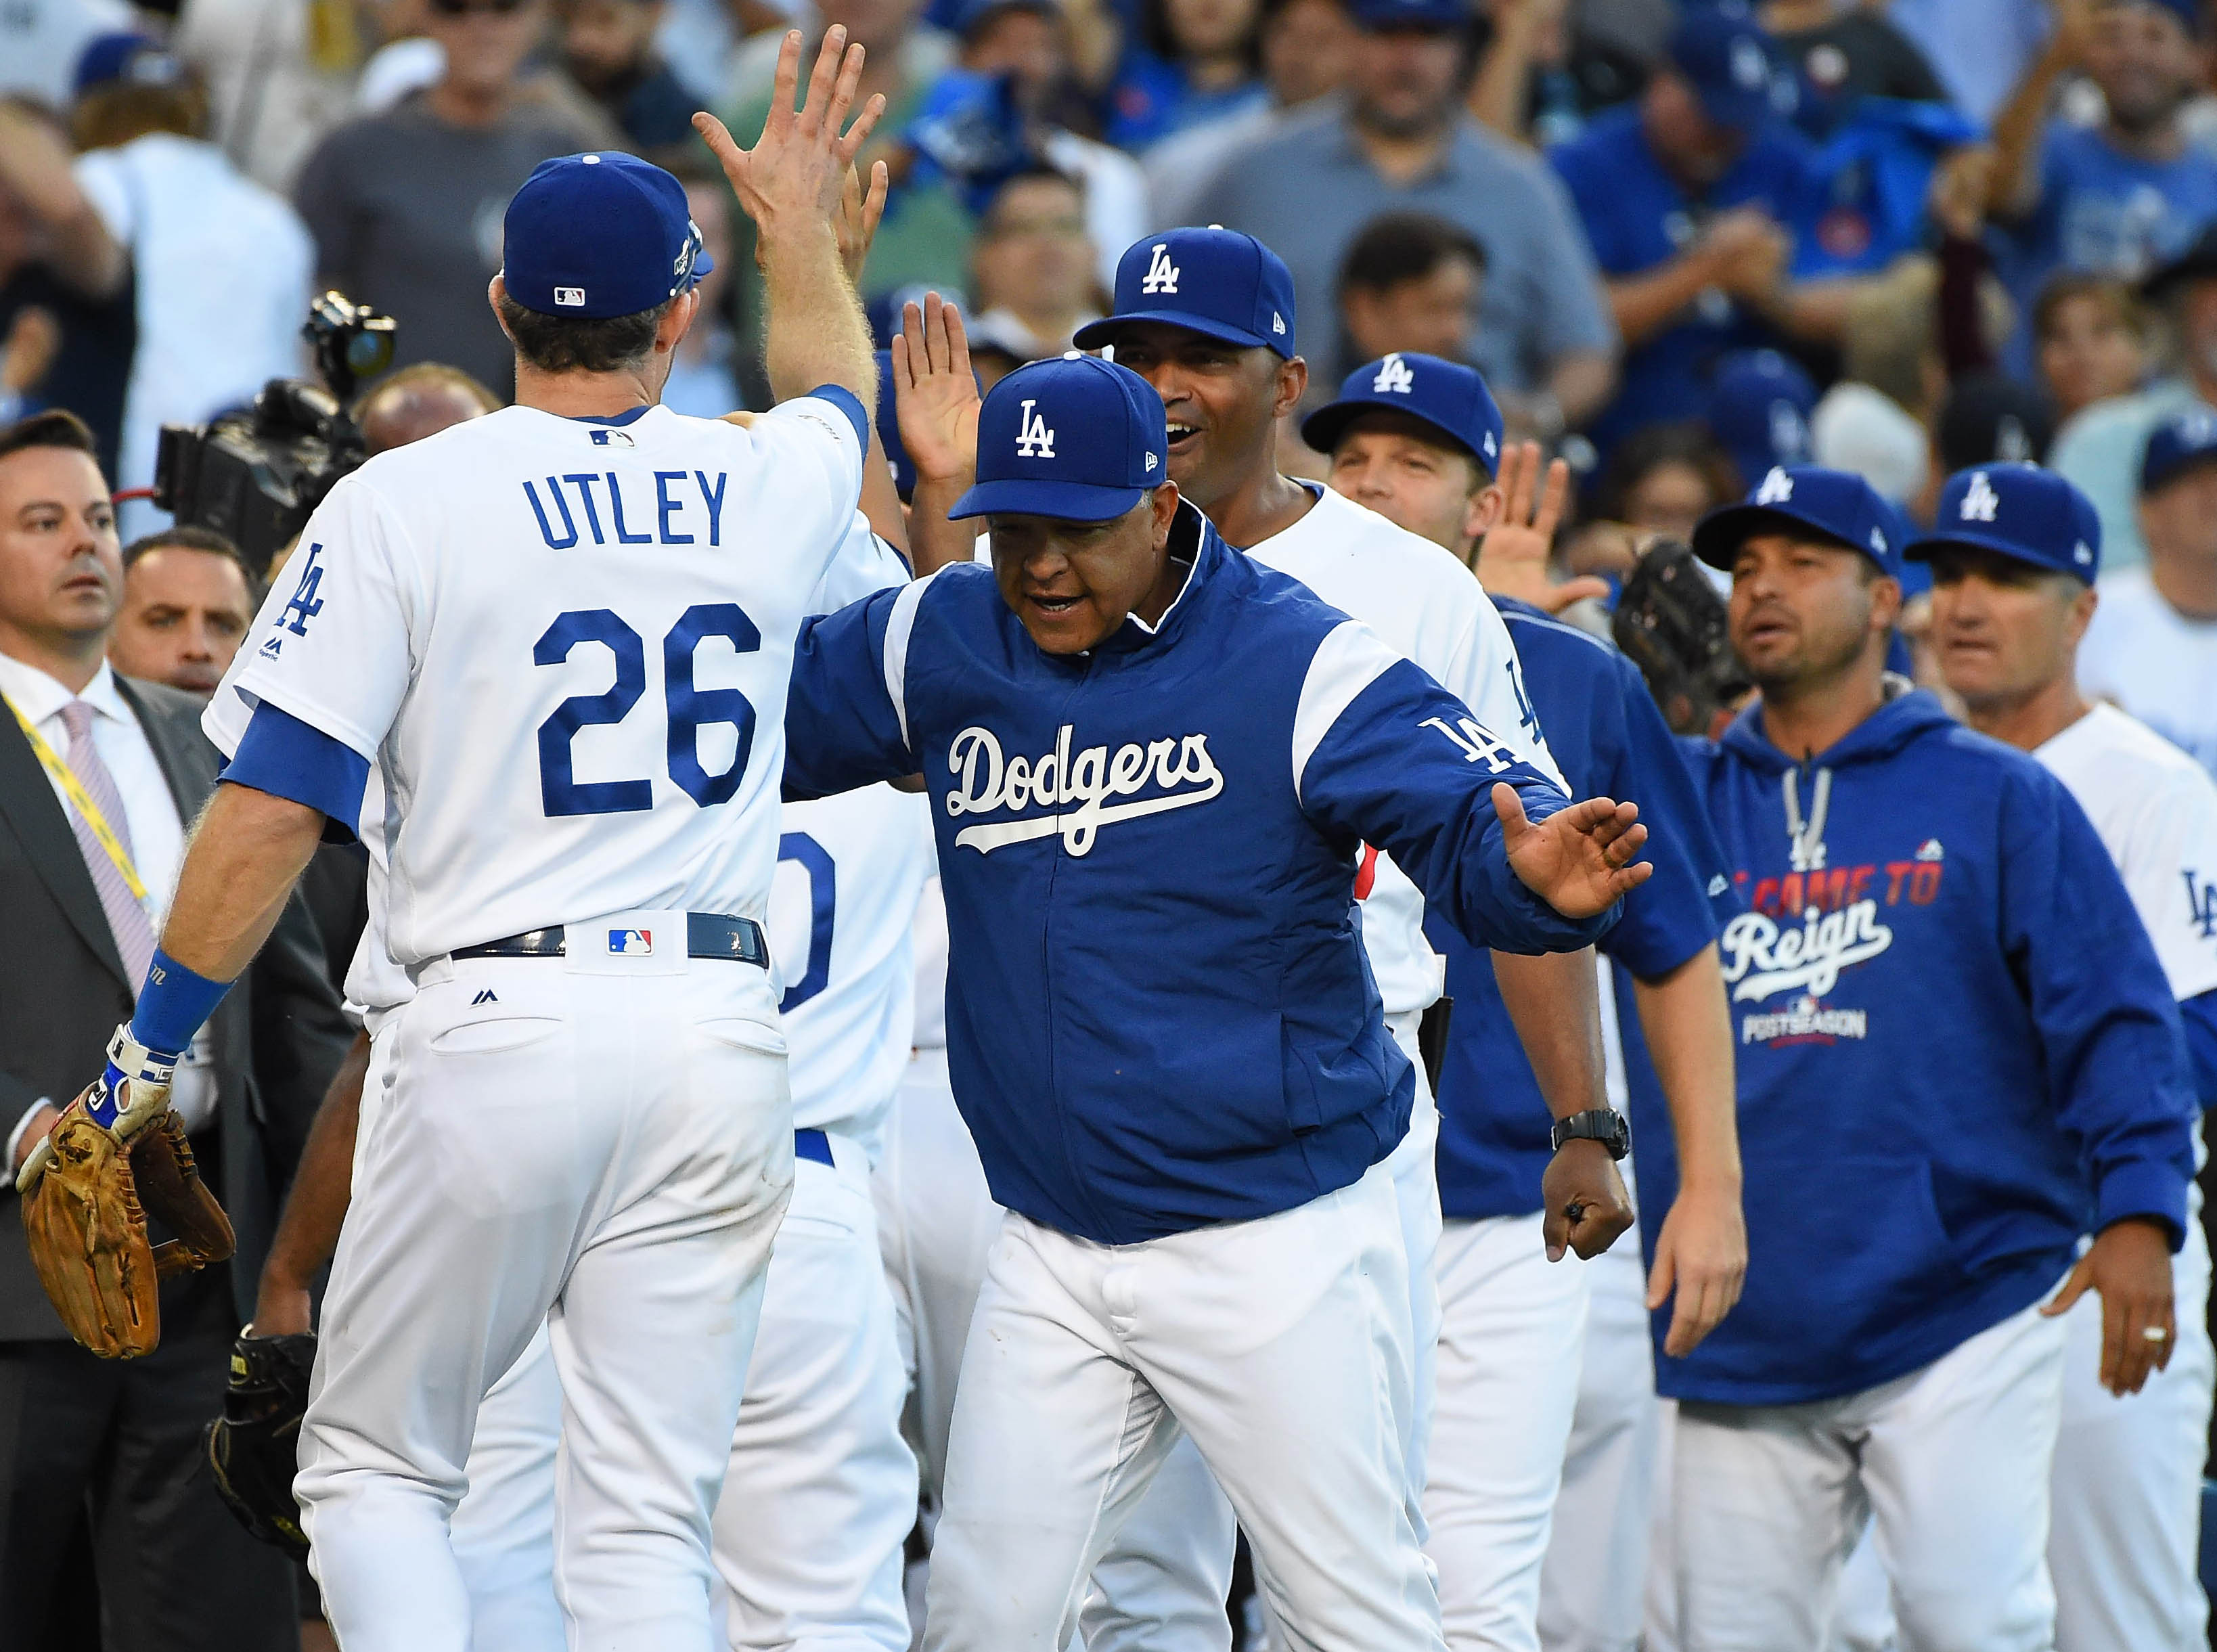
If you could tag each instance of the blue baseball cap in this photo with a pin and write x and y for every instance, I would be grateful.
(889, 436)
(1834, 504)
(2176, 446)
(2020, 511)
(126, 56)
(1759, 407)
(1726, 57)
(599, 235)
(1074, 438)
(1447, 395)
(1215, 281)
(1375, 16)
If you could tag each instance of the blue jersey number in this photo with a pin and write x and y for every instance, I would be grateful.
(690, 710)
(823, 899)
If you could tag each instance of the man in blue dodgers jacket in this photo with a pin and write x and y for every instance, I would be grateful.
(1408, 436)
(1958, 1051)
(1151, 762)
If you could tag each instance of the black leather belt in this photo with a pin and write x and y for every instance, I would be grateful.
(707, 935)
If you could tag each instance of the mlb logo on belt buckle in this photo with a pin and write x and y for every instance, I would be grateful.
(631, 942)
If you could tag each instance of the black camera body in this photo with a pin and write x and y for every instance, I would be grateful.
(255, 476)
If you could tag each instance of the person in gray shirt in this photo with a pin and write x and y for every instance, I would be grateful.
(405, 206)
(1399, 140)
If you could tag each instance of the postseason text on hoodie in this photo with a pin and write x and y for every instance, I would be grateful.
(1957, 1052)
(1159, 1014)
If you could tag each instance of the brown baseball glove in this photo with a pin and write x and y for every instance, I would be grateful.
(86, 1218)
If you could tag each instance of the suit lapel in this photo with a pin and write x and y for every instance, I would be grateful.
(188, 786)
(26, 799)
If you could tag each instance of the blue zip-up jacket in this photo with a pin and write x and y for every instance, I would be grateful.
(1610, 742)
(1161, 1015)
(1957, 1052)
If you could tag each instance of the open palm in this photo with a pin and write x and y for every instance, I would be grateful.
(1578, 860)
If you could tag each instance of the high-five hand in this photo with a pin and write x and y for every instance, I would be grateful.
(1512, 558)
(1578, 860)
(935, 391)
(795, 173)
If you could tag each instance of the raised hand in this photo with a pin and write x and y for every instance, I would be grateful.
(1512, 558)
(935, 392)
(1578, 860)
(796, 172)
(860, 213)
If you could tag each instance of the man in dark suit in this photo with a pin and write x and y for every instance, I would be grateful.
(99, 777)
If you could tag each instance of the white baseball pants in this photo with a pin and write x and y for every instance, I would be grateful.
(1950, 1463)
(602, 1144)
(821, 1493)
(503, 1528)
(1281, 1345)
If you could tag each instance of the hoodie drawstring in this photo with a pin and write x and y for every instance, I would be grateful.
(1808, 840)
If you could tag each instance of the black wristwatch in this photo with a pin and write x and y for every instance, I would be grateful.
(1602, 1124)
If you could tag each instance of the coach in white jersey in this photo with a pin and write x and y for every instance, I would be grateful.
(588, 1116)
(2014, 553)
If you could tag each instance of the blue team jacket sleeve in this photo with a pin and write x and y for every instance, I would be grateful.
(2199, 1015)
(1384, 754)
(1681, 909)
(2108, 1026)
(844, 726)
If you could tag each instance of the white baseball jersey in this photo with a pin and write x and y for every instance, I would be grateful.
(2156, 811)
(1427, 608)
(2155, 663)
(564, 644)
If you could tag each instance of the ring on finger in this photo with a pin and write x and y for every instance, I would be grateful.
(2155, 1334)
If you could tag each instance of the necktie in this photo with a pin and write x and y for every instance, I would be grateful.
(127, 918)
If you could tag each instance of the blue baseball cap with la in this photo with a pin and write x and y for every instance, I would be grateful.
(1760, 403)
(1215, 281)
(2020, 511)
(1073, 437)
(1833, 505)
(2176, 446)
(599, 235)
(1725, 56)
(1447, 395)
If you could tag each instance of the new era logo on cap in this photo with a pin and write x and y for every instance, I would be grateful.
(1393, 375)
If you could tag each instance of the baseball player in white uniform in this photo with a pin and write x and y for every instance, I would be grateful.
(588, 1116)
(2012, 593)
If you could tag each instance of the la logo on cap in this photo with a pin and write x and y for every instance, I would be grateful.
(1035, 438)
(1393, 375)
(1776, 489)
(1161, 273)
(1979, 499)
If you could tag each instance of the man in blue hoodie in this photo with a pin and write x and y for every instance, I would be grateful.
(1153, 762)
(1957, 1054)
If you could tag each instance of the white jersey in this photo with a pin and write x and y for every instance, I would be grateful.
(2159, 665)
(1429, 608)
(564, 644)
(2156, 811)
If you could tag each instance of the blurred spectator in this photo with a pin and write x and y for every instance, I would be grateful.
(280, 74)
(1544, 75)
(1988, 418)
(422, 400)
(2089, 341)
(405, 206)
(607, 46)
(1029, 40)
(1032, 271)
(40, 41)
(1304, 49)
(66, 320)
(187, 599)
(1846, 54)
(1659, 482)
(1403, 141)
(1195, 61)
(1760, 402)
(2123, 196)
(2099, 449)
(221, 265)
(1683, 197)
(1411, 282)
(2153, 645)
(703, 377)
(1980, 48)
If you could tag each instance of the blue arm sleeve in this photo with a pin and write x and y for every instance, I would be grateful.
(842, 727)
(2107, 1023)
(282, 756)
(1683, 906)
(1389, 772)
(2199, 1015)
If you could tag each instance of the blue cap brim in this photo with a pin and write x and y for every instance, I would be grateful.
(1920, 550)
(1719, 535)
(1064, 501)
(1095, 334)
(1323, 428)
(2155, 481)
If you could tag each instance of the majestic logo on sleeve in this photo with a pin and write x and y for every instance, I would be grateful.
(1979, 499)
(1162, 274)
(1077, 789)
(1035, 435)
(1393, 376)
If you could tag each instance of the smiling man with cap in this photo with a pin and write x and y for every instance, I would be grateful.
(1153, 763)
(1956, 1056)
(2014, 552)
